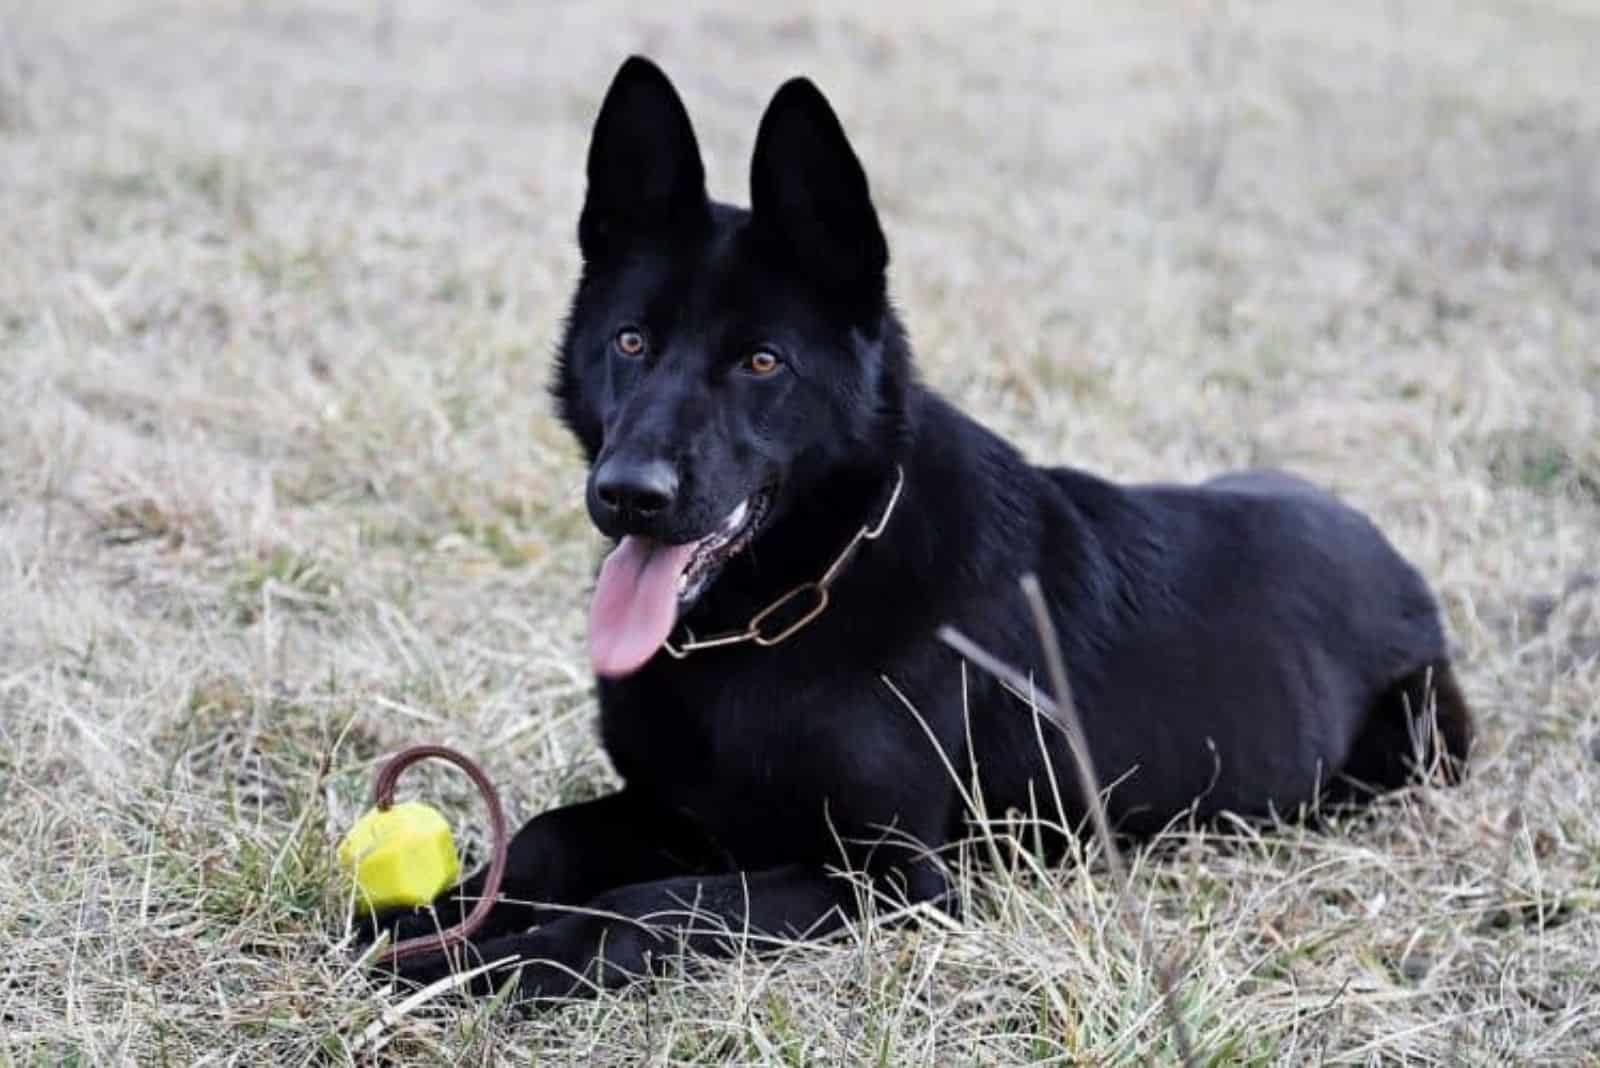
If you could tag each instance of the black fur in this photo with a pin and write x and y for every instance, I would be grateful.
(1249, 645)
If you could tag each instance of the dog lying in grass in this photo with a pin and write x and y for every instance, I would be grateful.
(795, 516)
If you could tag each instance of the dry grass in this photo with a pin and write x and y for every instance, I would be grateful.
(280, 491)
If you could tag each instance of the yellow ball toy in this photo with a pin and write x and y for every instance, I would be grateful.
(401, 856)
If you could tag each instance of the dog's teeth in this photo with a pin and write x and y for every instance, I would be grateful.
(710, 551)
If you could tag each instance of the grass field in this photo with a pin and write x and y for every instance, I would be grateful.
(280, 491)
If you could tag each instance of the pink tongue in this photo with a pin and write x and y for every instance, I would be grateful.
(635, 603)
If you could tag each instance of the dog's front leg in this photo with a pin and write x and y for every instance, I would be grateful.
(565, 857)
(627, 933)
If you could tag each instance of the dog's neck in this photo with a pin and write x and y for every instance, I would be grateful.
(928, 563)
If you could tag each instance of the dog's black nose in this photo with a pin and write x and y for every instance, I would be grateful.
(634, 489)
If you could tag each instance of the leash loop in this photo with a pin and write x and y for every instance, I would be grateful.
(817, 589)
(383, 798)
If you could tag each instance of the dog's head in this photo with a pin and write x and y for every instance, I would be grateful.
(717, 360)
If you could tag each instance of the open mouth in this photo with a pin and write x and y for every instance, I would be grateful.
(720, 546)
(644, 584)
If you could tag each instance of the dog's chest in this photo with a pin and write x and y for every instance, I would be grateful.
(747, 736)
(762, 762)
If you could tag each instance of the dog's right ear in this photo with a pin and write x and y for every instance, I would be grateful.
(645, 172)
(807, 188)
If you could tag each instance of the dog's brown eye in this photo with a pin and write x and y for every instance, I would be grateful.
(761, 362)
(630, 342)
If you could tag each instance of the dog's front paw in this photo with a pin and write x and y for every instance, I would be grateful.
(424, 969)
(483, 968)
(466, 962)
(401, 924)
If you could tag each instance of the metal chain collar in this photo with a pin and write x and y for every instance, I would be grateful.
(817, 589)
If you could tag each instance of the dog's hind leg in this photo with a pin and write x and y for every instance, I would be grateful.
(1419, 729)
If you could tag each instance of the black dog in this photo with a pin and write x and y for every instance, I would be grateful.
(796, 516)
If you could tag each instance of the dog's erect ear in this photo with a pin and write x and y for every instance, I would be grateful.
(645, 172)
(807, 190)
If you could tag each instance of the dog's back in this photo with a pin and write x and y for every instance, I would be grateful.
(1261, 636)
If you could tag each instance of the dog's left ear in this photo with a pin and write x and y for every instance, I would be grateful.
(645, 174)
(807, 190)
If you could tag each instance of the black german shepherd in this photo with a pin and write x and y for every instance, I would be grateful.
(795, 516)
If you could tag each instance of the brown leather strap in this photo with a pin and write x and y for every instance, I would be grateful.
(383, 797)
